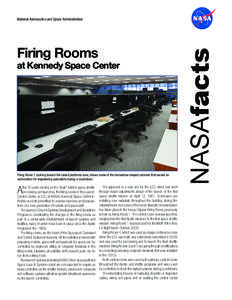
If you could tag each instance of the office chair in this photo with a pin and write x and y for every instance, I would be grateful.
(149, 110)
(159, 105)
(109, 143)
(136, 125)
(69, 151)
(155, 109)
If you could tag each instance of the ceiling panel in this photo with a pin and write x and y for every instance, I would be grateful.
(93, 81)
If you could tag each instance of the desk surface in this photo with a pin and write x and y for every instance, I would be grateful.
(49, 140)
(167, 152)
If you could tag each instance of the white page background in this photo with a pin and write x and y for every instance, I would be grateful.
(145, 37)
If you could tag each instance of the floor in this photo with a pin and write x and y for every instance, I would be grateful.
(136, 156)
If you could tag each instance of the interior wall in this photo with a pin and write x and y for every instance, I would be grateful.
(46, 90)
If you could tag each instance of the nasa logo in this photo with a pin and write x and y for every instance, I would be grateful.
(202, 17)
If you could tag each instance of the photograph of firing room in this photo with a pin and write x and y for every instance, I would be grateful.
(97, 123)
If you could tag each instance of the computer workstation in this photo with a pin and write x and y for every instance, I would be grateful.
(49, 123)
(172, 122)
(45, 120)
(166, 156)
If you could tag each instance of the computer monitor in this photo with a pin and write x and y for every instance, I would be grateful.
(114, 100)
(47, 107)
(96, 112)
(48, 104)
(83, 114)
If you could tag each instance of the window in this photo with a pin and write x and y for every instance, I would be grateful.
(172, 86)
